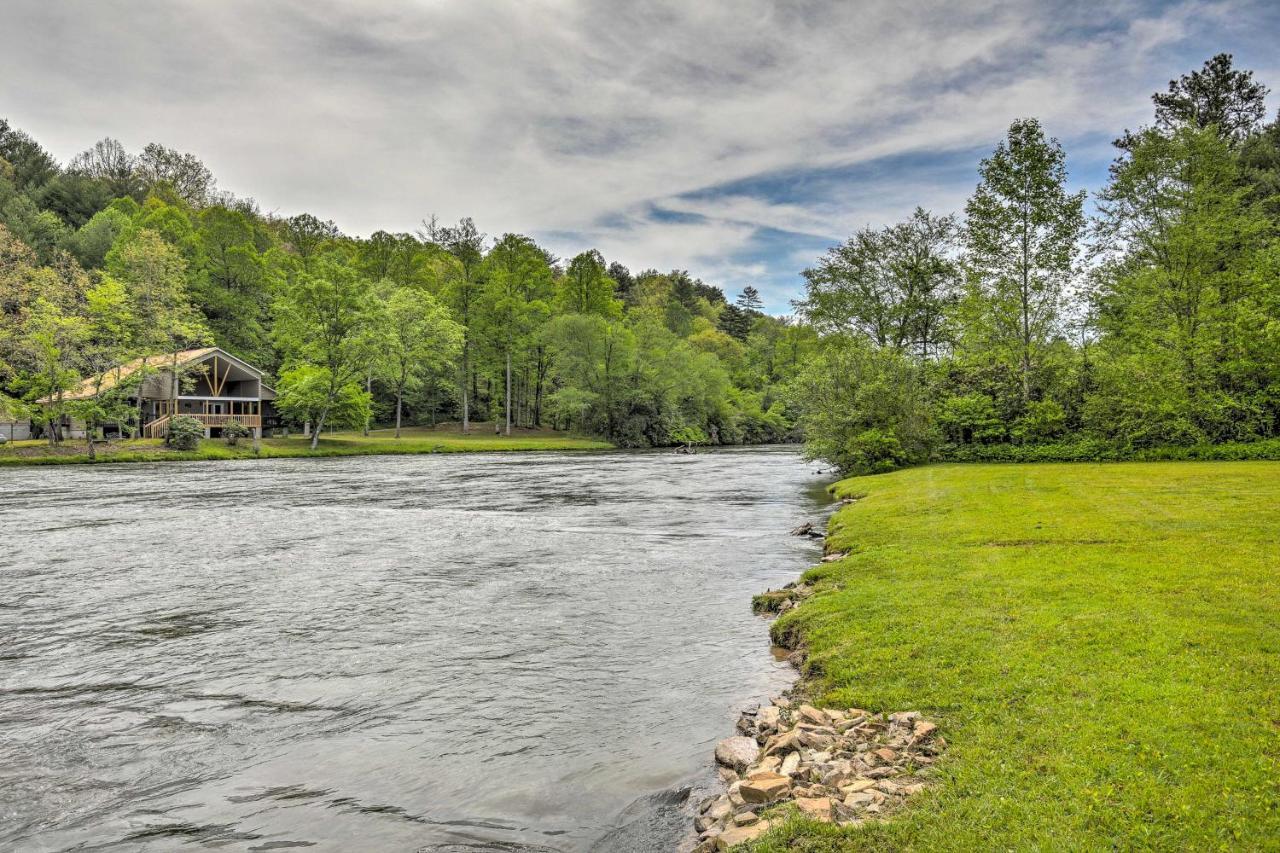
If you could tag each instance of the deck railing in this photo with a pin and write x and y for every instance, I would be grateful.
(159, 428)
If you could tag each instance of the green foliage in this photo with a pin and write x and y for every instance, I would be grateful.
(234, 431)
(863, 408)
(971, 418)
(185, 432)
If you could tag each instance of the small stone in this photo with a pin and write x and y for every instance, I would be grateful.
(860, 799)
(741, 834)
(783, 742)
(790, 764)
(887, 755)
(737, 752)
(817, 738)
(887, 786)
(858, 785)
(782, 702)
(745, 818)
(765, 788)
(727, 775)
(769, 763)
(923, 729)
(818, 808)
(704, 823)
(908, 790)
(834, 716)
(812, 715)
(904, 717)
(767, 719)
(721, 809)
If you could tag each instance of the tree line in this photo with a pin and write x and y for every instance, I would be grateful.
(115, 256)
(1027, 327)
(1036, 322)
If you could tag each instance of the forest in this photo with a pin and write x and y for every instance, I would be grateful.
(1037, 323)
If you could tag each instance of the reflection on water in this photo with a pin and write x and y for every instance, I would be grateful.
(382, 653)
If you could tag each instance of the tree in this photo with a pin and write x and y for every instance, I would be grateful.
(517, 292)
(892, 285)
(189, 178)
(1186, 296)
(1022, 230)
(586, 287)
(421, 338)
(107, 161)
(323, 324)
(750, 300)
(1218, 95)
(466, 244)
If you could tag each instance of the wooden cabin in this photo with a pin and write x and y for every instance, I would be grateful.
(210, 385)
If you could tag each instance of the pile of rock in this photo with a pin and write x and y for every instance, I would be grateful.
(781, 600)
(844, 767)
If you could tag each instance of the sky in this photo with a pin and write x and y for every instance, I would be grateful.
(736, 140)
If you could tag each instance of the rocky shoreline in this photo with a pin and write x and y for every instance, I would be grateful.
(843, 766)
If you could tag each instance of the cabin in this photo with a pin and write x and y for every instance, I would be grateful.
(210, 385)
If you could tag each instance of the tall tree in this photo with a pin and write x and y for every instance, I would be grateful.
(324, 319)
(750, 300)
(1218, 95)
(517, 290)
(420, 339)
(1022, 231)
(891, 285)
(466, 243)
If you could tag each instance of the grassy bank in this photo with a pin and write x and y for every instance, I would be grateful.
(378, 442)
(1101, 644)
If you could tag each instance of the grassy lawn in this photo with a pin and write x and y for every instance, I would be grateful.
(412, 440)
(1101, 644)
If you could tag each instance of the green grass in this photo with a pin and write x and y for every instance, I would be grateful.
(378, 442)
(1100, 643)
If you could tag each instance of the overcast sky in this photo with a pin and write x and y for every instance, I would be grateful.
(734, 139)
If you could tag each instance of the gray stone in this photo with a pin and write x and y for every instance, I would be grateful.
(737, 752)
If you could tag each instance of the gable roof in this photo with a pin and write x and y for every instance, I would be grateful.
(118, 375)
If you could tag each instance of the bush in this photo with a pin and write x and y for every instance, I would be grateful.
(1043, 421)
(234, 431)
(185, 432)
(872, 451)
(971, 418)
(1101, 450)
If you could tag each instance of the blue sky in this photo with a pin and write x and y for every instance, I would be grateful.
(737, 140)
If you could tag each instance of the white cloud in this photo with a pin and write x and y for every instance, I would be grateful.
(556, 115)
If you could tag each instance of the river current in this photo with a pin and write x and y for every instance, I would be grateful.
(410, 653)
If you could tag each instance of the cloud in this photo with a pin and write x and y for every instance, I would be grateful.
(667, 134)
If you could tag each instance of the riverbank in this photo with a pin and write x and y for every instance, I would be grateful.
(379, 442)
(1096, 642)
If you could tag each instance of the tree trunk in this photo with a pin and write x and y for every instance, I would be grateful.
(88, 434)
(508, 392)
(315, 434)
(466, 379)
(399, 401)
(368, 389)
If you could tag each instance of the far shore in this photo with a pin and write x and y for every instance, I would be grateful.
(413, 440)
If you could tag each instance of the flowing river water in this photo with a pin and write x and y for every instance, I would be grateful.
(411, 653)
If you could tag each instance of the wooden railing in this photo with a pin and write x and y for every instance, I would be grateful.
(159, 428)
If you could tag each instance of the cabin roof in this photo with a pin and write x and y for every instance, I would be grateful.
(160, 361)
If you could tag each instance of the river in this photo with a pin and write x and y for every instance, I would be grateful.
(404, 653)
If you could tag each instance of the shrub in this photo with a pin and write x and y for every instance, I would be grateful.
(234, 431)
(185, 432)
(1044, 420)
(971, 418)
(872, 451)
